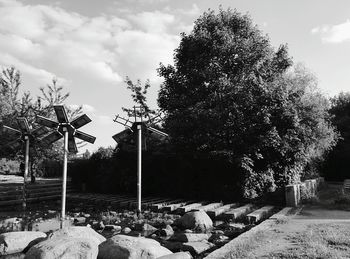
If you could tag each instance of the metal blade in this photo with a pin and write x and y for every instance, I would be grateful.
(85, 137)
(80, 121)
(121, 135)
(11, 130)
(46, 122)
(72, 146)
(52, 137)
(40, 131)
(61, 114)
(23, 124)
(158, 132)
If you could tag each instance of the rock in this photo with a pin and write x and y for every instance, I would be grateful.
(51, 211)
(196, 248)
(14, 256)
(188, 231)
(167, 231)
(173, 246)
(86, 215)
(219, 240)
(126, 230)
(14, 242)
(146, 229)
(79, 232)
(198, 220)
(179, 255)
(114, 228)
(127, 247)
(64, 248)
(190, 237)
(101, 225)
(217, 232)
(80, 220)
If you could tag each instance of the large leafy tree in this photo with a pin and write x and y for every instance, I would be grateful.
(229, 94)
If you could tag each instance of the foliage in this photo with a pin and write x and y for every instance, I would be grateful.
(338, 160)
(231, 94)
(16, 105)
(138, 94)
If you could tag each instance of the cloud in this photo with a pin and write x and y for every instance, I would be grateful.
(333, 33)
(85, 107)
(49, 41)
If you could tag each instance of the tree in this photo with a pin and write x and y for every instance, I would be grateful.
(26, 106)
(338, 160)
(229, 94)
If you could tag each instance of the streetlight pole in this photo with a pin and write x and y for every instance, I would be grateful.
(26, 170)
(64, 178)
(139, 166)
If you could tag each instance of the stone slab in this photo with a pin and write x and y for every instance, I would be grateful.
(238, 212)
(260, 214)
(218, 211)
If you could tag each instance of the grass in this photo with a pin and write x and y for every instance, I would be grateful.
(242, 249)
(319, 241)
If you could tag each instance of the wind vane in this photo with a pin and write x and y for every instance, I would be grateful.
(68, 130)
(131, 127)
(24, 135)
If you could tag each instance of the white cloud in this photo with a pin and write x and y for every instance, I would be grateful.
(86, 107)
(333, 33)
(49, 41)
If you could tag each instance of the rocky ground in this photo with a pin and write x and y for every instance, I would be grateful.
(194, 232)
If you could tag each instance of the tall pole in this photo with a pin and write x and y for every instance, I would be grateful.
(139, 166)
(64, 178)
(26, 169)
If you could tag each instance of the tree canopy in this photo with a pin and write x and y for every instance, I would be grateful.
(230, 93)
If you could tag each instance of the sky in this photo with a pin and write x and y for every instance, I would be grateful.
(90, 47)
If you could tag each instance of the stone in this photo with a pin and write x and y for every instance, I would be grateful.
(197, 220)
(64, 248)
(14, 256)
(146, 229)
(188, 231)
(219, 240)
(238, 212)
(79, 232)
(189, 207)
(80, 220)
(218, 211)
(14, 242)
(167, 231)
(127, 247)
(196, 248)
(260, 214)
(126, 230)
(190, 237)
(51, 225)
(114, 228)
(179, 255)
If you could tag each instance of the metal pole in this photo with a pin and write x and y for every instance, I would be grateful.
(64, 178)
(26, 169)
(139, 163)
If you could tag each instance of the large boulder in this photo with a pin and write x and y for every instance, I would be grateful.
(64, 248)
(128, 247)
(14, 242)
(197, 220)
(79, 232)
(179, 255)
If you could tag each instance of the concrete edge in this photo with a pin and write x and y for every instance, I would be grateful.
(224, 251)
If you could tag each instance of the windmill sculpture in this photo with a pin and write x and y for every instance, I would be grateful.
(24, 135)
(131, 127)
(68, 130)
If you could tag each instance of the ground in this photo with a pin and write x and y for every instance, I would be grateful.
(320, 229)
